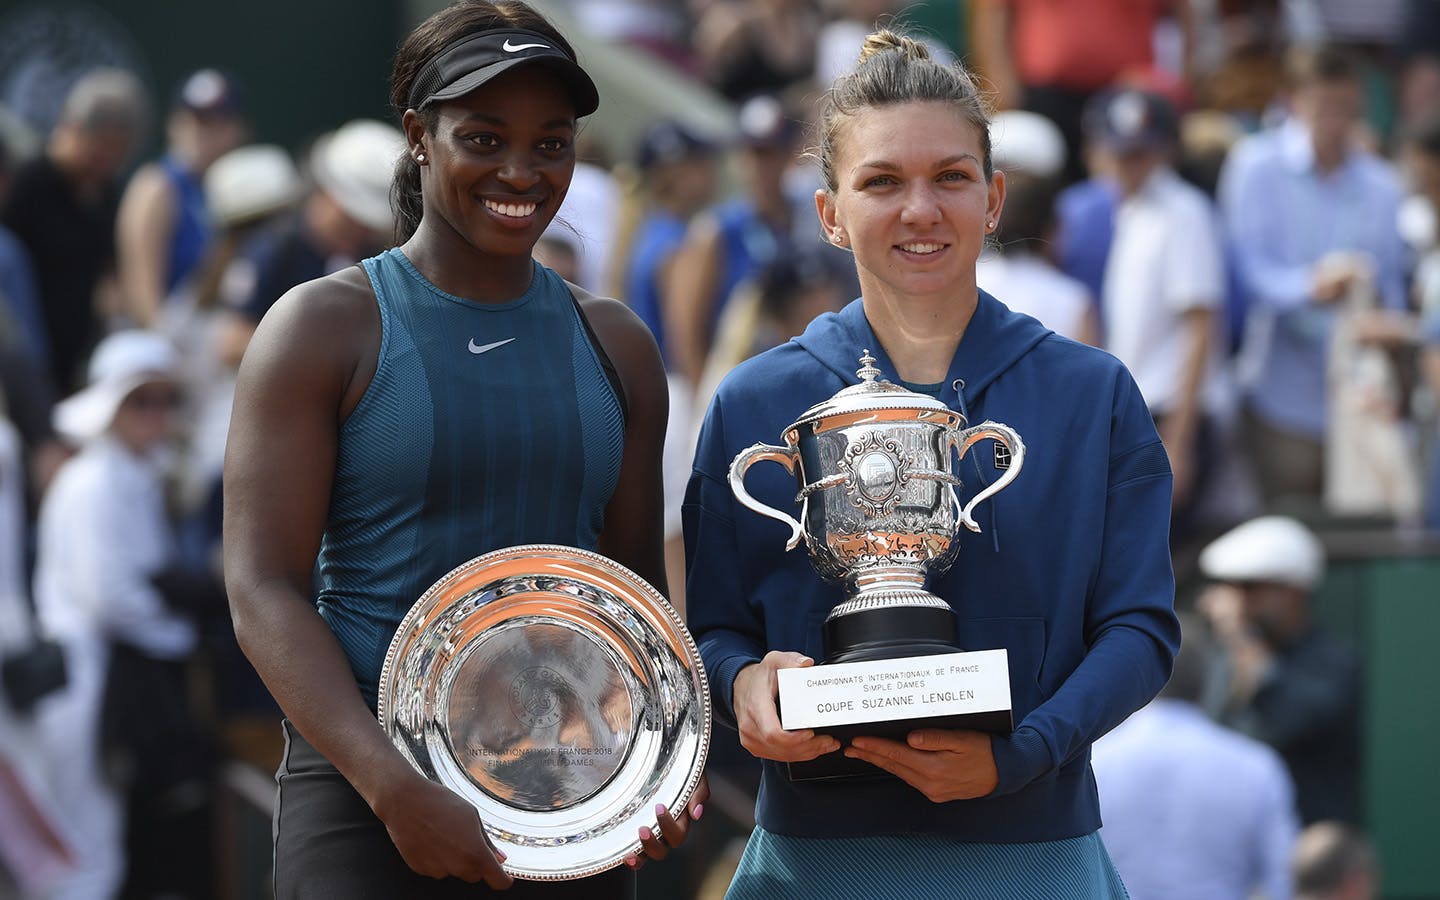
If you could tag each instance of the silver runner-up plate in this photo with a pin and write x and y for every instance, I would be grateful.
(557, 692)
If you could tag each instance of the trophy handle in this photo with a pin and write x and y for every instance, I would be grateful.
(786, 457)
(966, 439)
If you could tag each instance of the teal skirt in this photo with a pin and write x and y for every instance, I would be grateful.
(905, 867)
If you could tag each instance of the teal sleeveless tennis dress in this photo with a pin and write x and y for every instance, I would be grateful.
(485, 426)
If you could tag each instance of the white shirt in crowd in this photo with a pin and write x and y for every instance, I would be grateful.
(103, 533)
(1029, 284)
(1165, 260)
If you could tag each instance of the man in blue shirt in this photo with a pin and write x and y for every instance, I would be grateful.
(1194, 810)
(1312, 218)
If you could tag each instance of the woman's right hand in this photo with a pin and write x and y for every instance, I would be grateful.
(439, 835)
(758, 715)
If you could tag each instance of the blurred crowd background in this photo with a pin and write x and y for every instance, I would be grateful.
(1238, 198)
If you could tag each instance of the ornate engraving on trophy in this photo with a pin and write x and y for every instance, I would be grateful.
(875, 472)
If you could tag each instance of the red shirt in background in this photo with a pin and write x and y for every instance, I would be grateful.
(1082, 44)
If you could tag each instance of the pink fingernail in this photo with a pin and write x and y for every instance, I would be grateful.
(660, 809)
(645, 833)
(500, 855)
(697, 811)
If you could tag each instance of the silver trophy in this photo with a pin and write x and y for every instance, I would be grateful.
(557, 692)
(880, 513)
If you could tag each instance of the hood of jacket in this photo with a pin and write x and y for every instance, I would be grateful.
(994, 340)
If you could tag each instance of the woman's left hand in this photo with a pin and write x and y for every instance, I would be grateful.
(942, 765)
(672, 831)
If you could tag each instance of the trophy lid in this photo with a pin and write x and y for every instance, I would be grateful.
(873, 394)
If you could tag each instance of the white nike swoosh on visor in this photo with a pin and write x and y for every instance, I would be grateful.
(515, 48)
(485, 348)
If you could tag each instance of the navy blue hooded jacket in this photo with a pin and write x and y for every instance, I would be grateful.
(1071, 572)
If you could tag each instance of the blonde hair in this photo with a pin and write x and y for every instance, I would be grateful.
(895, 68)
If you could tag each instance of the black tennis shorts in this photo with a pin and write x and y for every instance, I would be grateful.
(328, 844)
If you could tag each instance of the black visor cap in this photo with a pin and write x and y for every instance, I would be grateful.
(476, 59)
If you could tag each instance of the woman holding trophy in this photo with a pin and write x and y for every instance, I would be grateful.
(1069, 574)
(443, 399)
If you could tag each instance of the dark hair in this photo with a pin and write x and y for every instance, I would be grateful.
(789, 275)
(1323, 64)
(895, 69)
(423, 44)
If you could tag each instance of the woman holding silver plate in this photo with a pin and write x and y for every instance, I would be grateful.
(1070, 573)
(445, 399)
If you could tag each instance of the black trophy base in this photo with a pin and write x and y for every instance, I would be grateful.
(889, 633)
(838, 765)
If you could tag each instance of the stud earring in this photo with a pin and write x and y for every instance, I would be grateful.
(420, 158)
(990, 225)
(837, 238)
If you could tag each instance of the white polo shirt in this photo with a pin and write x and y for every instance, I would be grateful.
(1028, 284)
(1166, 259)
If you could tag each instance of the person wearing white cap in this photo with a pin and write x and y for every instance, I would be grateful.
(103, 536)
(344, 218)
(1290, 683)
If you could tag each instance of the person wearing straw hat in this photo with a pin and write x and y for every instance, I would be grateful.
(103, 536)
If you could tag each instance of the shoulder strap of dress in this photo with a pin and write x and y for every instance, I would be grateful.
(577, 293)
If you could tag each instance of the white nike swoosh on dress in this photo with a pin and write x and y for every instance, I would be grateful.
(515, 48)
(485, 348)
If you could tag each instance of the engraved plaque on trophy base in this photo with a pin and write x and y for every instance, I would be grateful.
(892, 697)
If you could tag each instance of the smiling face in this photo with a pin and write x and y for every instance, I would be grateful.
(912, 199)
(498, 161)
